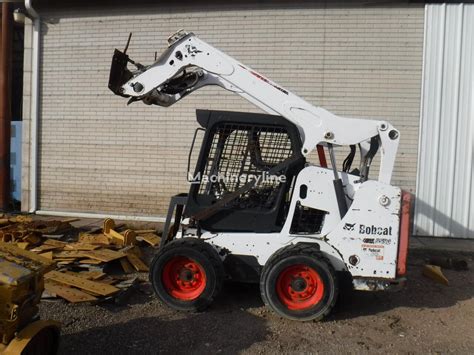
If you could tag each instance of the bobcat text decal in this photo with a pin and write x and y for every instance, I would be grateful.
(368, 230)
(363, 229)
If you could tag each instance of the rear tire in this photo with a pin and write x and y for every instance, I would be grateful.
(299, 283)
(187, 274)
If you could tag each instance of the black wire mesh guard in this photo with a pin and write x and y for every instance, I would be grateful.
(241, 152)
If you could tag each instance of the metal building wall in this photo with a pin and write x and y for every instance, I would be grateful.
(445, 196)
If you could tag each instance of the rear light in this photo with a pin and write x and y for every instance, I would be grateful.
(405, 230)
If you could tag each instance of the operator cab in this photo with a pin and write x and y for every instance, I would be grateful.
(239, 148)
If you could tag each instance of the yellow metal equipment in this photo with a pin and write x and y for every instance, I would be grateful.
(21, 286)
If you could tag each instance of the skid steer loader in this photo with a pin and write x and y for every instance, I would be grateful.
(257, 210)
(21, 287)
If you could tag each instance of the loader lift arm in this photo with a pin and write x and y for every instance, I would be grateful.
(190, 63)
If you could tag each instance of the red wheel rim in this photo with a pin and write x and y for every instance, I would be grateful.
(184, 278)
(299, 287)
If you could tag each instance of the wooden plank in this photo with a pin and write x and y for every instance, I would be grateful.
(81, 246)
(44, 248)
(56, 243)
(150, 238)
(70, 220)
(70, 254)
(145, 231)
(47, 255)
(72, 295)
(14, 250)
(63, 258)
(94, 275)
(88, 275)
(104, 255)
(83, 284)
(99, 239)
(108, 280)
(90, 261)
(137, 263)
(21, 219)
(126, 266)
(22, 245)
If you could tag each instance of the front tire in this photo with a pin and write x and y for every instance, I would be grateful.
(187, 274)
(299, 283)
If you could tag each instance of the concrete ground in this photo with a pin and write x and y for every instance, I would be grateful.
(424, 317)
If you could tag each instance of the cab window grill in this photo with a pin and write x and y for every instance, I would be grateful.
(239, 153)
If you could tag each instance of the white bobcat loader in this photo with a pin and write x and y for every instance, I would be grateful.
(256, 210)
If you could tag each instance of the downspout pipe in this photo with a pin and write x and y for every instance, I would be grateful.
(34, 113)
(5, 104)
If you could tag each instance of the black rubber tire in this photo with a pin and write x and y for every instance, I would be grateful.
(200, 252)
(294, 255)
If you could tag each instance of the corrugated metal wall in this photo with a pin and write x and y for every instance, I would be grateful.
(445, 181)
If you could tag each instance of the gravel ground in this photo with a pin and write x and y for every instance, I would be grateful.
(425, 317)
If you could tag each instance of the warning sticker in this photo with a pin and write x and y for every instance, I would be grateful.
(373, 251)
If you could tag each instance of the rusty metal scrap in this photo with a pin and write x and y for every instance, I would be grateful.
(70, 294)
(150, 238)
(127, 238)
(87, 251)
(434, 272)
(82, 283)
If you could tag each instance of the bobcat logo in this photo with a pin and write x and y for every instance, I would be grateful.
(349, 227)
